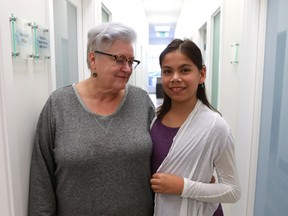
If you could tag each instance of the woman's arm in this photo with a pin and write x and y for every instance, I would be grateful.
(42, 182)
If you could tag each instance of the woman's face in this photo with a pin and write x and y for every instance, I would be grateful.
(111, 75)
(181, 77)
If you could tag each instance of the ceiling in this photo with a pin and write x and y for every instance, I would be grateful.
(162, 16)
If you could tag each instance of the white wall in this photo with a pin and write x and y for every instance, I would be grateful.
(193, 15)
(5, 187)
(24, 89)
(229, 86)
(131, 13)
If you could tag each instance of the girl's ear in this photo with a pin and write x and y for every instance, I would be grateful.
(202, 74)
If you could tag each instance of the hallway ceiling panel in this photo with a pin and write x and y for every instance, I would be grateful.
(162, 16)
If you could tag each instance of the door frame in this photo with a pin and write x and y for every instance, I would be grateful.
(80, 46)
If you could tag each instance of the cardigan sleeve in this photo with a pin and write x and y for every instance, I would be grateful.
(228, 188)
(42, 182)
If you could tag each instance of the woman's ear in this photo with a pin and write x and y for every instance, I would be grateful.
(92, 58)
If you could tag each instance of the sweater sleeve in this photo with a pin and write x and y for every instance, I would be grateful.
(228, 188)
(42, 182)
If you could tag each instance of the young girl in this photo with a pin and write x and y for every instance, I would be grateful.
(190, 140)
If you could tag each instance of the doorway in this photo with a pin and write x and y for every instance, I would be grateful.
(68, 46)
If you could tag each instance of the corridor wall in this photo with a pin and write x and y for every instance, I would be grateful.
(24, 87)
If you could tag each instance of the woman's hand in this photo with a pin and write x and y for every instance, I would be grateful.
(167, 183)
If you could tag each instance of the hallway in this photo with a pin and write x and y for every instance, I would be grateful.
(245, 48)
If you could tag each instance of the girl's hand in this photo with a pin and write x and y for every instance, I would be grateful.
(167, 183)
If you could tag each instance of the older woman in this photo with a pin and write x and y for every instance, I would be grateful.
(92, 146)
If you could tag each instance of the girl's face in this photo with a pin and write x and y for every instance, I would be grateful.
(181, 77)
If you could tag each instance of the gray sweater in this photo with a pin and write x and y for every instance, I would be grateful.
(87, 164)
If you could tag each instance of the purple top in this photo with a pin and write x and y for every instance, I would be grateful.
(162, 138)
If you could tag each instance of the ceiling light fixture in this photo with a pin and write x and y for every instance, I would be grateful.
(162, 34)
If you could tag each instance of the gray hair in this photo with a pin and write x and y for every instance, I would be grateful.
(101, 37)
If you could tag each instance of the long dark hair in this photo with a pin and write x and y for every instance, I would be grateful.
(191, 50)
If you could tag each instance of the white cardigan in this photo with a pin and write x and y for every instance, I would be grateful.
(202, 144)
